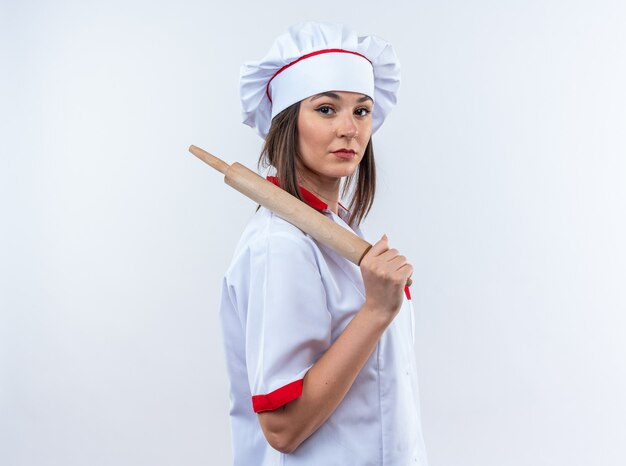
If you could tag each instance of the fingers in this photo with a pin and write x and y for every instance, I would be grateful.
(389, 255)
(398, 262)
(381, 251)
(407, 270)
(392, 259)
(379, 247)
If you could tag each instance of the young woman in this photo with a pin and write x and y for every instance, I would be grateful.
(320, 352)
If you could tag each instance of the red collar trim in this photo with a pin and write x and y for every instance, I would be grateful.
(304, 57)
(307, 196)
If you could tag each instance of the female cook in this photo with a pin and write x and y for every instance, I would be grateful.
(320, 352)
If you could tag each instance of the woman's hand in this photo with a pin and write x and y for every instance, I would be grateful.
(385, 273)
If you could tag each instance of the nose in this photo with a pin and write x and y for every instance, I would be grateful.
(346, 127)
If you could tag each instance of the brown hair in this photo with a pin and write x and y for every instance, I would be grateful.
(281, 149)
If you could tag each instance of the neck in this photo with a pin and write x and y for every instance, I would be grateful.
(326, 189)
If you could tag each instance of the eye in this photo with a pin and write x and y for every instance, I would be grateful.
(325, 110)
(362, 112)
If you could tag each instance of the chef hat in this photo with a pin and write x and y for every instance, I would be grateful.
(315, 57)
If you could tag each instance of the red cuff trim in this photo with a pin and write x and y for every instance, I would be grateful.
(407, 292)
(279, 397)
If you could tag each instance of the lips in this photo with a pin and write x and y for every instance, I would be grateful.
(345, 153)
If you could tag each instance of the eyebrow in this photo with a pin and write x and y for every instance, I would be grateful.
(332, 95)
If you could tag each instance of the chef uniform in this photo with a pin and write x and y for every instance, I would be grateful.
(286, 298)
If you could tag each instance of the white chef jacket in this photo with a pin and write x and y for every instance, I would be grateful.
(285, 299)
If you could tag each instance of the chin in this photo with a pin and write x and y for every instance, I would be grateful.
(342, 172)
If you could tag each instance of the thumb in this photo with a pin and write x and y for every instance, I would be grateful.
(380, 246)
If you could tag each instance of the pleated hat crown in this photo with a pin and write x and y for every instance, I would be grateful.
(314, 57)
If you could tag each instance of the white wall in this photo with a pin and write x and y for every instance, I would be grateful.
(501, 176)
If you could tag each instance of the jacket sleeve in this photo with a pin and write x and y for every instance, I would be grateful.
(287, 323)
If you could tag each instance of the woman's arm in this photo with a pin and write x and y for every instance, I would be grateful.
(325, 385)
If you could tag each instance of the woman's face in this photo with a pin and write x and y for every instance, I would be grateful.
(333, 131)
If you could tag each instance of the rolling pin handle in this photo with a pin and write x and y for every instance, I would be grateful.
(215, 162)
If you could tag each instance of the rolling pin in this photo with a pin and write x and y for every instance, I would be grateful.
(289, 207)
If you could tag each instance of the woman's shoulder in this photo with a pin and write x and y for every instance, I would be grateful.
(266, 230)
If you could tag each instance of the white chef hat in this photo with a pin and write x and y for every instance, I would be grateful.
(314, 57)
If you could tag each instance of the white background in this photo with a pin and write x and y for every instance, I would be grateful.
(501, 177)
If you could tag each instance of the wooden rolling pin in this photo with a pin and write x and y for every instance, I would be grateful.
(289, 207)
